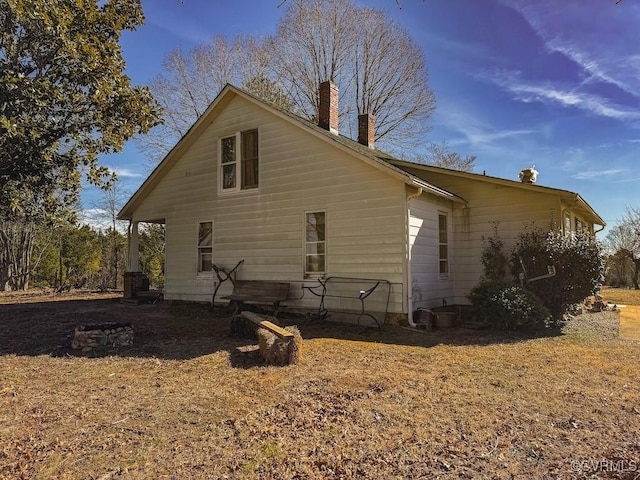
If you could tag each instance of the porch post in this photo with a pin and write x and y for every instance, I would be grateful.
(133, 263)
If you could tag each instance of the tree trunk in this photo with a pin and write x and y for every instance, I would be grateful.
(4, 275)
(17, 242)
(636, 273)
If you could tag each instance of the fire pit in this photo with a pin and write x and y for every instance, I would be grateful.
(88, 337)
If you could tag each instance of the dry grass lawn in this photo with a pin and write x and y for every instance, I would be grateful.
(622, 296)
(189, 401)
(629, 301)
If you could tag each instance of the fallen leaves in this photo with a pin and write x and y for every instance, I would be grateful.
(189, 401)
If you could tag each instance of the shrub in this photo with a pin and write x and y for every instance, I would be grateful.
(494, 261)
(508, 306)
(578, 262)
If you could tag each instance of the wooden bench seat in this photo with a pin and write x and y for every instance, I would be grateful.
(259, 291)
(267, 325)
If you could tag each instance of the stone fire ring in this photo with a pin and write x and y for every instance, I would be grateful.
(88, 337)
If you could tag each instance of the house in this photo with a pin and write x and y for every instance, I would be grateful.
(298, 201)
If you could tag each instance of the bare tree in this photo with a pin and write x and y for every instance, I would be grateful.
(440, 155)
(112, 201)
(314, 42)
(26, 233)
(624, 239)
(390, 80)
(191, 81)
(22, 244)
(376, 65)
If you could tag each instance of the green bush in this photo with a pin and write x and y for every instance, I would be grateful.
(578, 262)
(494, 261)
(508, 306)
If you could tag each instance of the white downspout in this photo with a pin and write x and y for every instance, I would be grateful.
(408, 257)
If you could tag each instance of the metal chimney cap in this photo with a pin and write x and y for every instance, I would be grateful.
(528, 175)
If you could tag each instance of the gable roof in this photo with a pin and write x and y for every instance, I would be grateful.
(373, 157)
(567, 196)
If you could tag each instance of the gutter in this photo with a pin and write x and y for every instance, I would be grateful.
(425, 186)
(408, 260)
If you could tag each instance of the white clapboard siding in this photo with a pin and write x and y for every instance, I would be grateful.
(299, 173)
(428, 287)
(513, 207)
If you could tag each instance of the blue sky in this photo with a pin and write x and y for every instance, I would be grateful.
(544, 83)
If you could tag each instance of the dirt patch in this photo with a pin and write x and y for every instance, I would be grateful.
(188, 400)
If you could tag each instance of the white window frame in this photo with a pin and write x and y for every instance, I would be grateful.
(447, 243)
(200, 247)
(567, 223)
(582, 226)
(237, 136)
(308, 274)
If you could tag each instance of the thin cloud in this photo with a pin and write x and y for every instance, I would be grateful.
(548, 93)
(94, 212)
(597, 174)
(126, 173)
(592, 67)
(585, 36)
(475, 131)
(477, 52)
(488, 137)
(100, 219)
(627, 180)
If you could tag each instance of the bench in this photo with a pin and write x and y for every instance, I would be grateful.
(259, 291)
(277, 345)
(260, 322)
(363, 298)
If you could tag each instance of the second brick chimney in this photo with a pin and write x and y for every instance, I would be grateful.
(366, 129)
(328, 108)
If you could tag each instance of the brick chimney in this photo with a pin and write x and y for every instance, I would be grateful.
(328, 111)
(366, 129)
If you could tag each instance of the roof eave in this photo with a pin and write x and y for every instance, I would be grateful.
(430, 188)
(379, 163)
(126, 212)
(598, 219)
(568, 195)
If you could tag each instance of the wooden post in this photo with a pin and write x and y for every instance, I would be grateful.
(133, 263)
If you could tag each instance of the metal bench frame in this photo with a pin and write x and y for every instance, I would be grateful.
(325, 291)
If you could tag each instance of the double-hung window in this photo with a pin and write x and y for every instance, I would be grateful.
(443, 241)
(567, 223)
(315, 244)
(205, 246)
(581, 227)
(239, 163)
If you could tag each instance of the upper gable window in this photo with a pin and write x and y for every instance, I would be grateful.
(239, 161)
